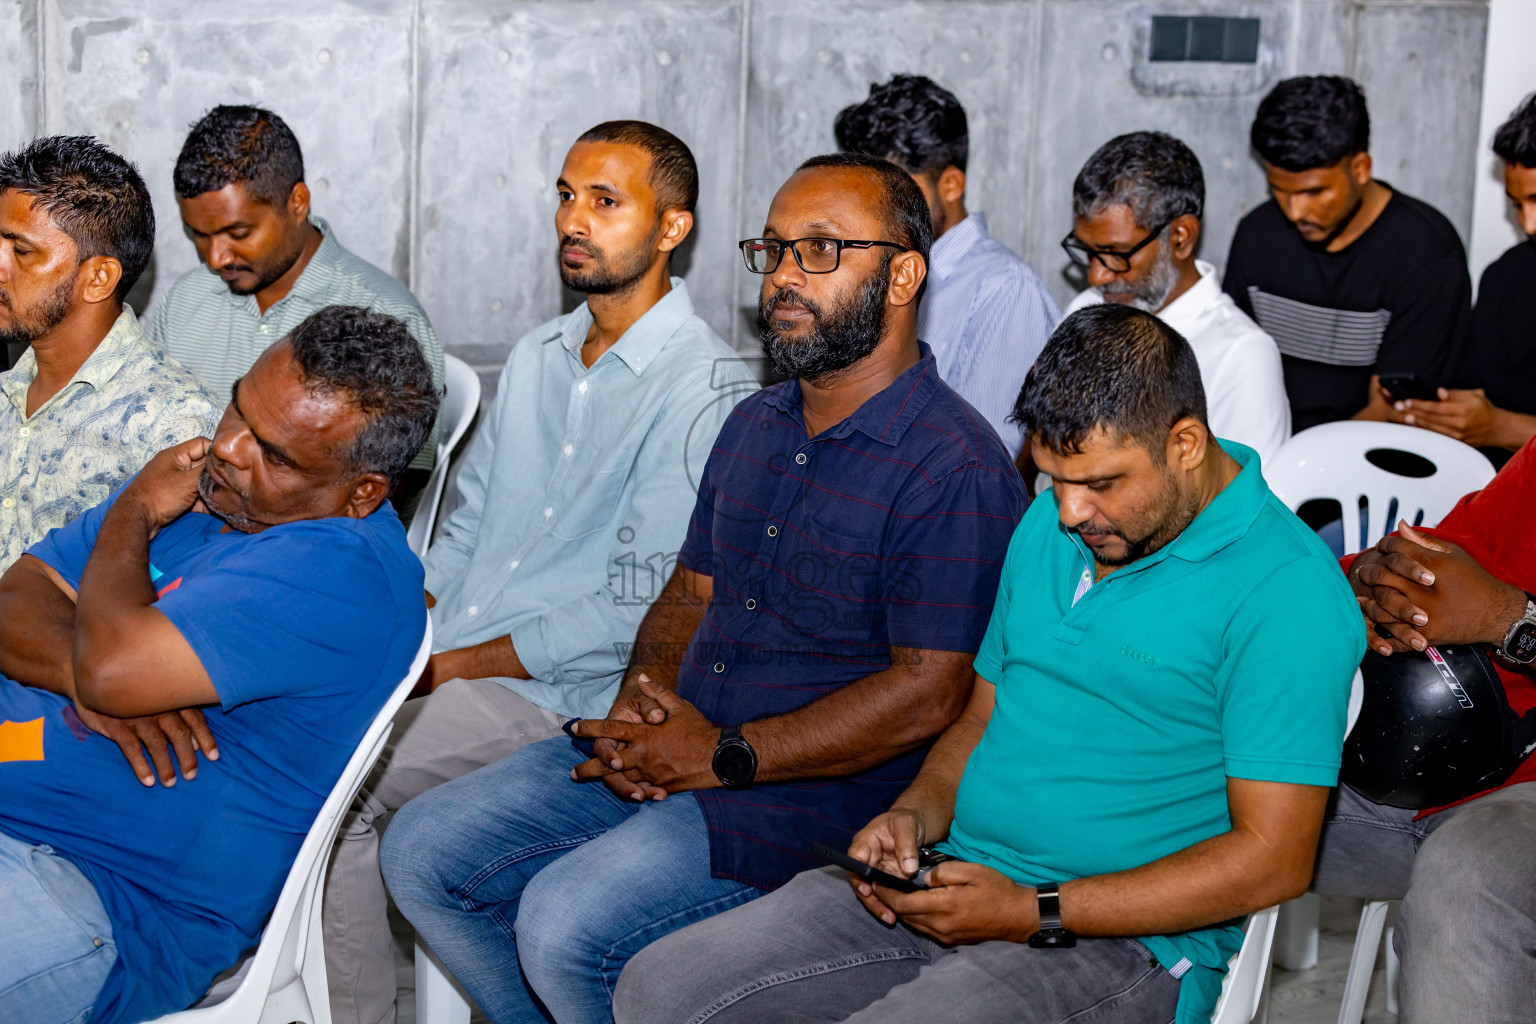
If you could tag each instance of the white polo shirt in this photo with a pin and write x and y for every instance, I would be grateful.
(1239, 364)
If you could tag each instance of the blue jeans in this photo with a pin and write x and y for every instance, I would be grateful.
(535, 891)
(56, 943)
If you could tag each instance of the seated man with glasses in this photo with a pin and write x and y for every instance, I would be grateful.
(817, 634)
(1136, 208)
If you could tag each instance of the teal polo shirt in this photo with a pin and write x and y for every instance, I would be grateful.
(1123, 709)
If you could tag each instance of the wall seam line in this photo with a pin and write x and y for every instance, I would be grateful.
(741, 156)
(413, 203)
(1034, 131)
(42, 68)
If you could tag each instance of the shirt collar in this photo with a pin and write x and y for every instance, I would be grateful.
(645, 338)
(1202, 295)
(950, 247)
(98, 369)
(886, 416)
(317, 279)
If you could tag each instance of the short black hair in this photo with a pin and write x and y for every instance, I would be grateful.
(1310, 122)
(910, 120)
(91, 194)
(906, 211)
(240, 145)
(372, 358)
(1153, 173)
(674, 175)
(1515, 141)
(1112, 366)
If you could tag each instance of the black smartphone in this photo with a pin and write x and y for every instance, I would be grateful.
(868, 872)
(1403, 386)
(581, 745)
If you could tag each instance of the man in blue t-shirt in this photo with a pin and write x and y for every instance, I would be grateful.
(255, 590)
(1157, 718)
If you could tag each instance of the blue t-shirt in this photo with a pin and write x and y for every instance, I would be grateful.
(305, 629)
(1227, 653)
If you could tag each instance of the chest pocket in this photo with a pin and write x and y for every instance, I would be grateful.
(836, 578)
(596, 503)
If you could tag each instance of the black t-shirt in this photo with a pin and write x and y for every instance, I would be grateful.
(1396, 300)
(1500, 356)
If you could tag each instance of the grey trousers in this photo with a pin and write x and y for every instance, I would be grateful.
(1466, 933)
(464, 725)
(811, 952)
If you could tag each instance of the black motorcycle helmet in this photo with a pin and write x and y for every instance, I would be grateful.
(1435, 727)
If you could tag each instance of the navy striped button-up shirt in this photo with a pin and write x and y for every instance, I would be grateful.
(888, 529)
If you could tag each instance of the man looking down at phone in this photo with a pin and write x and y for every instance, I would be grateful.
(1496, 411)
(261, 577)
(1468, 920)
(1351, 277)
(816, 635)
(1145, 757)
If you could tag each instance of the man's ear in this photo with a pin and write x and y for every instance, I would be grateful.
(908, 269)
(1184, 235)
(1188, 442)
(951, 184)
(98, 278)
(368, 493)
(298, 202)
(1360, 169)
(675, 226)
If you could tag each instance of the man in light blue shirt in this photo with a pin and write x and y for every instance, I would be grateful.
(986, 314)
(575, 497)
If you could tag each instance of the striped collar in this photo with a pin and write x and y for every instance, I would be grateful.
(949, 249)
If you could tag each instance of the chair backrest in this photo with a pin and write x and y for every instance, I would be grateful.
(461, 400)
(1243, 986)
(288, 959)
(1399, 472)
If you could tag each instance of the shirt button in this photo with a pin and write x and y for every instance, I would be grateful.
(474, 610)
(719, 668)
(265, 328)
(773, 531)
(7, 503)
(548, 512)
(800, 459)
(568, 449)
(515, 563)
(25, 432)
(582, 387)
(751, 603)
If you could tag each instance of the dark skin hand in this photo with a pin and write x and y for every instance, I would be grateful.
(1416, 591)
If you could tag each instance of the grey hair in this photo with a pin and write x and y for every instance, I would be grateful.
(1153, 173)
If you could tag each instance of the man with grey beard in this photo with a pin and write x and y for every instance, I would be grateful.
(1136, 207)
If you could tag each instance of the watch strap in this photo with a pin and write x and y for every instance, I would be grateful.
(1519, 644)
(1051, 935)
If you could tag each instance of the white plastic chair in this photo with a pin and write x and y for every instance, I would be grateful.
(461, 400)
(440, 999)
(1244, 988)
(1362, 962)
(284, 980)
(1334, 461)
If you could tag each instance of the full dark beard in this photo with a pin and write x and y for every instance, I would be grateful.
(604, 278)
(42, 318)
(838, 339)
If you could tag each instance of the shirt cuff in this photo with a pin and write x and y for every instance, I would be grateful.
(528, 644)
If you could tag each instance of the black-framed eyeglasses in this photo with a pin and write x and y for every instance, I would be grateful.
(814, 255)
(1111, 260)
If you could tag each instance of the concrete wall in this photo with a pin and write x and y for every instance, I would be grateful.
(433, 129)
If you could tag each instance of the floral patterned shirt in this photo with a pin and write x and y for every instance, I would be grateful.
(127, 401)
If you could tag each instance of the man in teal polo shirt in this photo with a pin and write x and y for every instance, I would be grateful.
(1157, 719)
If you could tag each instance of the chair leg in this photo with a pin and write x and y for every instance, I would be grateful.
(1362, 962)
(1393, 966)
(1296, 934)
(439, 999)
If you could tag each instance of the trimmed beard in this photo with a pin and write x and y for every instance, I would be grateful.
(1150, 294)
(43, 317)
(601, 278)
(839, 337)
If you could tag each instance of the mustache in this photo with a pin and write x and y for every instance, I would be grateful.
(572, 242)
(786, 297)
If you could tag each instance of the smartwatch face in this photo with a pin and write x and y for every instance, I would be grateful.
(734, 764)
(1522, 646)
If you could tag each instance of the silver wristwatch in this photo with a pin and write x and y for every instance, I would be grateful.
(1520, 642)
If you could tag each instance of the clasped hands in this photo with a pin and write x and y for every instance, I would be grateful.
(965, 903)
(652, 743)
(1416, 591)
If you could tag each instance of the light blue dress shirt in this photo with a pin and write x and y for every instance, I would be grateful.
(575, 496)
(986, 315)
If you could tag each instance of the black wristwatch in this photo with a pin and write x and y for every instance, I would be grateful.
(1051, 934)
(1520, 642)
(735, 762)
